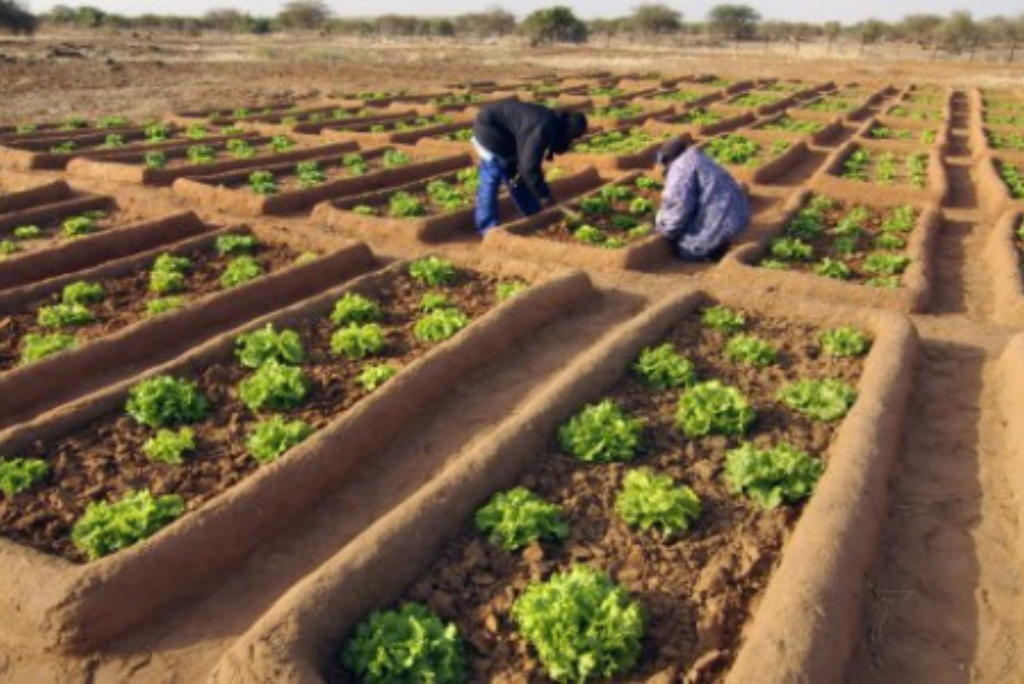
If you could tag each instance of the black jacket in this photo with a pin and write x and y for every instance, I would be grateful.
(522, 135)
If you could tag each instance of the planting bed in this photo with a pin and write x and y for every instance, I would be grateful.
(1000, 182)
(163, 168)
(284, 188)
(126, 299)
(707, 121)
(697, 589)
(42, 227)
(614, 229)
(895, 129)
(56, 153)
(350, 426)
(619, 149)
(428, 210)
(854, 252)
(755, 157)
(893, 171)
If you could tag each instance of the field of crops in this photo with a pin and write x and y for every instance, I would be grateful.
(257, 353)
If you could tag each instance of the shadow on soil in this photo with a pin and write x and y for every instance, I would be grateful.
(921, 590)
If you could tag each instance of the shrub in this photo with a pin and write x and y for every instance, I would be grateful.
(35, 347)
(234, 245)
(648, 500)
(750, 351)
(844, 341)
(434, 271)
(164, 400)
(518, 517)
(582, 625)
(83, 293)
(256, 348)
(358, 341)
(64, 316)
(20, 474)
(439, 325)
(664, 368)
(355, 308)
(274, 387)
(169, 446)
(373, 376)
(723, 319)
(271, 438)
(105, 528)
(410, 644)
(713, 408)
(602, 433)
(240, 270)
(822, 400)
(772, 476)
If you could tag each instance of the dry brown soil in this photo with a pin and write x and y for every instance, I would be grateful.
(945, 603)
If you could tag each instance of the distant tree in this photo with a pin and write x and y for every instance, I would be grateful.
(832, 31)
(871, 31)
(923, 29)
(739, 22)
(959, 30)
(655, 18)
(495, 21)
(607, 28)
(223, 19)
(308, 15)
(90, 17)
(15, 19)
(554, 25)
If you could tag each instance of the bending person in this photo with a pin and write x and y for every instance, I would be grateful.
(513, 139)
(702, 207)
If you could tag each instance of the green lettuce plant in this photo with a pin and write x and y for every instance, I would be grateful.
(241, 270)
(375, 375)
(723, 319)
(582, 625)
(664, 368)
(439, 325)
(713, 408)
(773, 476)
(749, 350)
(164, 401)
(256, 348)
(518, 517)
(358, 341)
(410, 644)
(602, 433)
(355, 308)
(170, 446)
(272, 438)
(59, 316)
(106, 528)
(651, 501)
(844, 341)
(35, 346)
(434, 271)
(21, 474)
(236, 245)
(83, 293)
(274, 387)
(823, 400)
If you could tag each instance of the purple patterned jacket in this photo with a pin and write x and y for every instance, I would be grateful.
(702, 207)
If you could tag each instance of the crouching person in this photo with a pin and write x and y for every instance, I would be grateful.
(513, 139)
(703, 208)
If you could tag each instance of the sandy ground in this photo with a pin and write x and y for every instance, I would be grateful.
(945, 600)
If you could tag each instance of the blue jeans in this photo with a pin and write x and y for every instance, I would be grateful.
(492, 175)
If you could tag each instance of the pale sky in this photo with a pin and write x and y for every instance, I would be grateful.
(696, 10)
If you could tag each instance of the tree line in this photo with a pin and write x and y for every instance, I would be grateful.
(559, 24)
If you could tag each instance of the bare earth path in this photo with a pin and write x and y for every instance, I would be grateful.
(946, 593)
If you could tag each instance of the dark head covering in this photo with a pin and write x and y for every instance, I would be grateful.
(672, 150)
(574, 126)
